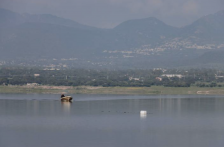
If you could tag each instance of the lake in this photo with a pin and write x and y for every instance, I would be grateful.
(42, 120)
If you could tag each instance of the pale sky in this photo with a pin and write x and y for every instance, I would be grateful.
(109, 13)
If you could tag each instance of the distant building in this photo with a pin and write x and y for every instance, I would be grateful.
(135, 79)
(218, 77)
(36, 75)
(159, 79)
(159, 69)
(172, 75)
(51, 69)
(154, 69)
(32, 84)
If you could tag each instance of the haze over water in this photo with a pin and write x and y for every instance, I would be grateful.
(171, 121)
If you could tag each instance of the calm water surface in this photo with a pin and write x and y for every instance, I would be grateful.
(111, 121)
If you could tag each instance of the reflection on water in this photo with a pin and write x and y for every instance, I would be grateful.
(143, 114)
(66, 106)
(164, 122)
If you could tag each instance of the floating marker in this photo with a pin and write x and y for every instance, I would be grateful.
(143, 114)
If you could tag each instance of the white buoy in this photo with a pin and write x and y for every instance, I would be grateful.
(143, 114)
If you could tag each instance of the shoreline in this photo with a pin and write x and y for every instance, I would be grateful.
(44, 89)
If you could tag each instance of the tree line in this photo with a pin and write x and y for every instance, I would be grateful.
(110, 78)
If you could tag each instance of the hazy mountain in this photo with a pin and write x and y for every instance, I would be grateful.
(43, 35)
(134, 33)
(145, 31)
(139, 43)
(9, 18)
(216, 56)
(51, 19)
(48, 40)
(209, 28)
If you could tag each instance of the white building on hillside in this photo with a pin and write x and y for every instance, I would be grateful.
(172, 75)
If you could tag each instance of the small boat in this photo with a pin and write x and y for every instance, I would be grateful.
(66, 99)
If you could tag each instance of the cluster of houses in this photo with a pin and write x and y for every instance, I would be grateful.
(169, 76)
(161, 77)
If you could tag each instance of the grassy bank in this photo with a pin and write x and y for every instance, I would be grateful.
(111, 90)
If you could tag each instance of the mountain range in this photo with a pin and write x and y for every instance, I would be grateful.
(44, 39)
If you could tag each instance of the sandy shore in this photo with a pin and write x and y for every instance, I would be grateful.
(111, 90)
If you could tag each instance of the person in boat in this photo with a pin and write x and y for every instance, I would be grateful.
(62, 95)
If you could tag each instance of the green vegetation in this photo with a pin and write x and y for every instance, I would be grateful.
(104, 78)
